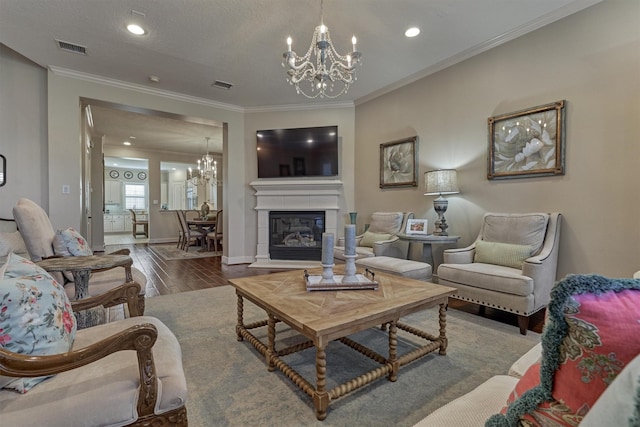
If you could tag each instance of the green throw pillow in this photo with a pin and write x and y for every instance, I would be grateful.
(504, 254)
(369, 238)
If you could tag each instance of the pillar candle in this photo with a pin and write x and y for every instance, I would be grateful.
(327, 248)
(350, 239)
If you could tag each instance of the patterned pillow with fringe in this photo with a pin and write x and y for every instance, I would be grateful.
(591, 334)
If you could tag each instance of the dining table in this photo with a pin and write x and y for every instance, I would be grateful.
(203, 225)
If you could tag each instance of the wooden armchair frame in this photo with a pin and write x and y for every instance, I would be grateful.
(139, 338)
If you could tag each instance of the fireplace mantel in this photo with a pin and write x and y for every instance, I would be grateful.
(293, 195)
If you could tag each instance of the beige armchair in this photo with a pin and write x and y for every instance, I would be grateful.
(380, 239)
(38, 234)
(99, 382)
(511, 266)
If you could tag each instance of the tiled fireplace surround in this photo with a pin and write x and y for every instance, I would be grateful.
(293, 195)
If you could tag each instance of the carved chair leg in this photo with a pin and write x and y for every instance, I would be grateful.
(523, 323)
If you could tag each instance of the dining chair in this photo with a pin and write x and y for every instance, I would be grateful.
(136, 222)
(180, 232)
(189, 234)
(216, 234)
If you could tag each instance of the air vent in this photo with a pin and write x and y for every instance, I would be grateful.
(73, 48)
(222, 85)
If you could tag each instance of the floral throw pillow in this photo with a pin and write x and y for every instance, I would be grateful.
(35, 316)
(70, 243)
(591, 335)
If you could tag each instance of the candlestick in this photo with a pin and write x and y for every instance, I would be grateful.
(327, 248)
(350, 239)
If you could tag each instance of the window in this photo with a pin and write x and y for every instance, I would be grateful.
(135, 196)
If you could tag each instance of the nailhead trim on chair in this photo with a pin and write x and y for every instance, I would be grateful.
(490, 305)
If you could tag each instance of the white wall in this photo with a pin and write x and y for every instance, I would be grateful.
(591, 59)
(23, 130)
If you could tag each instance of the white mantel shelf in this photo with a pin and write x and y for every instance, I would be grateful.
(293, 195)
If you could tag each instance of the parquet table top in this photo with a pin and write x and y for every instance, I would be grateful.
(325, 313)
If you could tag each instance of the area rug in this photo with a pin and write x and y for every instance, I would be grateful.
(170, 252)
(229, 385)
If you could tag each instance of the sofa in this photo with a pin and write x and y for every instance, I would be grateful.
(585, 371)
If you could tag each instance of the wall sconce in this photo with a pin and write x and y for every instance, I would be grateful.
(439, 182)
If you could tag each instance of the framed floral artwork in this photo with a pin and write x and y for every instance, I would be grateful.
(527, 143)
(398, 163)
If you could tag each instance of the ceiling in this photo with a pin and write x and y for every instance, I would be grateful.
(192, 43)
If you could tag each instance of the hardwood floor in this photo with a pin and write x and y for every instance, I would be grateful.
(173, 276)
(169, 277)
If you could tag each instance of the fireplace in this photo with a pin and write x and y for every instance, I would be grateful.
(295, 196)
(296, 234)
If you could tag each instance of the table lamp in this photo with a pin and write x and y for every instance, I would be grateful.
(439, 182)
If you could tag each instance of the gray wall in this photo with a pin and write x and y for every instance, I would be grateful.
(23, 130)
(591, 59)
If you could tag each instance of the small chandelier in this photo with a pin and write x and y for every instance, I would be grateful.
(328, 68)
(207, 170)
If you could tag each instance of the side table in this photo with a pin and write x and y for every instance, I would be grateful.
(433, 247)
(81, 268)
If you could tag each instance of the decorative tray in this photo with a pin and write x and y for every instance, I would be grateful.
(365, 281)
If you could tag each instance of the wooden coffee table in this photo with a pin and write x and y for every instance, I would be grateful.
(324, 316)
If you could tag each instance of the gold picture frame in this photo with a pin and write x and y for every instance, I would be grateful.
(527, 143)
(398, 163)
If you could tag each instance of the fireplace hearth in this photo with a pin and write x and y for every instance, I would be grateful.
(296, 235)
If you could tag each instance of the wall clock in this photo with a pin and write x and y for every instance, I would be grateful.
(114, 174)
(142, 175)
(128, 174)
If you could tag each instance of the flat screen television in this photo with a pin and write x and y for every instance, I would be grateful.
(300, 152)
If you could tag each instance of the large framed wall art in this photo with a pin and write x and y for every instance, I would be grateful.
(398, 163)
(527, 143)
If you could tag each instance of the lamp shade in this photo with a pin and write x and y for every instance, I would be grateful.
(443, 181)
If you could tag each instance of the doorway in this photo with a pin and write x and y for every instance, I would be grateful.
(159, 139)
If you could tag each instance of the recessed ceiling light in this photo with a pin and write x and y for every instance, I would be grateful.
(154, 79)
(136, 29)
(412, 32)
(126, 143)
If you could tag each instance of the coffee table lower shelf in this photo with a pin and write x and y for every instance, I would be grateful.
(389, 366)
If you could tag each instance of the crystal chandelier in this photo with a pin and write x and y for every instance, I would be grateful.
(207, 170)
(321, 67)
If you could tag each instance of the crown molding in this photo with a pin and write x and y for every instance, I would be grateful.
(64, 72)
(517, 32)
(298, 107)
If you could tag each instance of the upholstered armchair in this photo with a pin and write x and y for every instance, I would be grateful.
(127, 372)
(511, 266)
(380, 239)
(38, 234)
